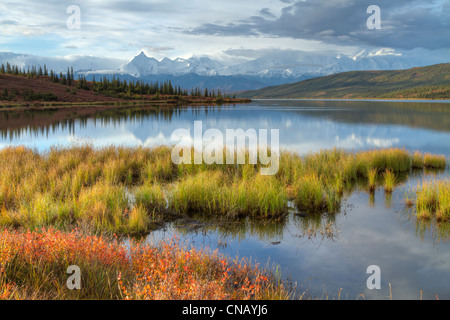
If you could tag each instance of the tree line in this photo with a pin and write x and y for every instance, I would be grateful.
(110, 86)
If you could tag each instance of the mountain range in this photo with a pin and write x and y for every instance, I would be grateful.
(275, 68)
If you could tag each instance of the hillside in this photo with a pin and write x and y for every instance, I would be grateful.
(432, 82)
(13, 90)
(22, 91)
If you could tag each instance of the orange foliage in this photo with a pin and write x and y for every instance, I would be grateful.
(169, 271)
(174, 272)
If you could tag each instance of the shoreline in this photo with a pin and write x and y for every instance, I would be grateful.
(357, 99)
(121, 104)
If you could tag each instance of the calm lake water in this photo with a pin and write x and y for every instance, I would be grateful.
(369, 230)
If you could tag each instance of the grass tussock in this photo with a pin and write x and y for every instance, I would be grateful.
(434, 161)
(372, 175)
(214, 193)
(432, 199)
(389, 181)
(33, 265)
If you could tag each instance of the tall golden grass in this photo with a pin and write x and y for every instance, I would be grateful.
(431, 199)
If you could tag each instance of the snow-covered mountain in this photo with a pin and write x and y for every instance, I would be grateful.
(288, 64)
(142, 65)
(272, 68)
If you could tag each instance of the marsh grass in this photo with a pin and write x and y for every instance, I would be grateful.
(80, 185)
(389, 181)
(204, 192)
(151, 197)
(418, 160)
(434, 161)
(443, 207)
(432, 199)
(372, 175)
(310, 194)
(213, 193)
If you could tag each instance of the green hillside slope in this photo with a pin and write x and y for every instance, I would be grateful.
(432, 82)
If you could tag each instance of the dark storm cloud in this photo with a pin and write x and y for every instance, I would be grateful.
(405, 24)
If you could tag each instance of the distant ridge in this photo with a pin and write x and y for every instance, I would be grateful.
(431, 82)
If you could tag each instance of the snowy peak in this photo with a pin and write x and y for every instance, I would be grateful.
(142, 65)
(141, 55)
(383, 52)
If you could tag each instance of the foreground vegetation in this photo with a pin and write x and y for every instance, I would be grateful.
(132, 190)
(33, 265)
(63, 208)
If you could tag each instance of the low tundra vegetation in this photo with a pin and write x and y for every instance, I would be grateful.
(33, 265)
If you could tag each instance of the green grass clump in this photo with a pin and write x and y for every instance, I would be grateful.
(418, 160)
(397, 160)
(138, 220)
(200, 193)
(338, 185)
(310, 194)
(262, 196)
(332, 200)
(160, 168)
(389, 181)
(434, 161)
(213, 193)
(372, 179)
(103, 206)
(432, 200)
(151, 197)
(443, 208)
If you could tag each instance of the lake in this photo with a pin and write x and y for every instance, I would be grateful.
(323, 254)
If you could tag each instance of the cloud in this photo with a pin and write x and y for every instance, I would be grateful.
(405, 24)
(108, 27)
(158, 50)
(120, 29)
(266, 12)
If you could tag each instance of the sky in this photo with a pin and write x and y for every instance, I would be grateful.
(231, 29)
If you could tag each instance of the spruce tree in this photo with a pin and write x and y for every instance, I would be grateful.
(69, 81)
